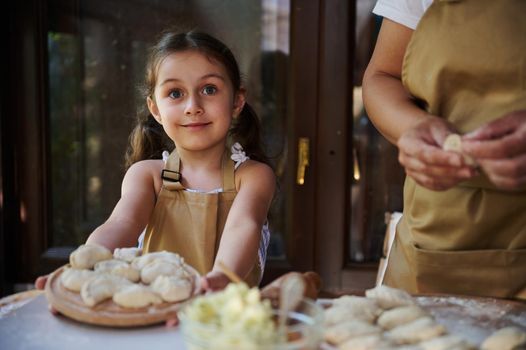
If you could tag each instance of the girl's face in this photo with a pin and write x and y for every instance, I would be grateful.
(194, 101)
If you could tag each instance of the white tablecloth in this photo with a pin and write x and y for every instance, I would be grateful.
(33, 327)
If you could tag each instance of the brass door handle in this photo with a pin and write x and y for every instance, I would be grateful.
(303, 159)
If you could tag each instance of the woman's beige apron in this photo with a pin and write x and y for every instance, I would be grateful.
(191, 223)
(466, 62)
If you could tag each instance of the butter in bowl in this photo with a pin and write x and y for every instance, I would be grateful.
(239, 318)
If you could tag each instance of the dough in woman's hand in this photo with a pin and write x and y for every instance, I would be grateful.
(419, 330)
(135, 296)
(388, 297)
(140, 262)
(101, 287)
(509, 338)
(446, 342)
(453, 143)
(172, 289)
(73, 279)
(119, 268)
(399, 316)
(87, 255)
(161, 268)
(368, 342)
(127, 254)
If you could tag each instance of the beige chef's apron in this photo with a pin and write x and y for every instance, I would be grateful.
(466, 62)
(191, 223)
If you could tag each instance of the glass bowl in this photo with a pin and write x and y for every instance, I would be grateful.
(303, 331)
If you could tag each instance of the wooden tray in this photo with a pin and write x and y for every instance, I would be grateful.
(107, 313)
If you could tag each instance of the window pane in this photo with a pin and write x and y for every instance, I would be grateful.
(376, 175)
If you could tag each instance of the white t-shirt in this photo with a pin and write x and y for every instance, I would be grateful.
(405, 12)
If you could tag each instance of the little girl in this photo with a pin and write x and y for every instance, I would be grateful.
(204, 201)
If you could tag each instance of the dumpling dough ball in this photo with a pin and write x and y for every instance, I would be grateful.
(135, 296)
(400, 315)
(101, 287)
(161, 268)
(388, 297)
(172, 289)
(368, 342)
(140, 262)
(73, 279)
(446, 342)
(453, 143)
(419, 330)
(509, 338)
(352, 307)
(127, 254)
(87, 255)
(119, 268)
(337, 334)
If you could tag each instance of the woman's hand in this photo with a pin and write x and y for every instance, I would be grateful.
(499, 147)
(422, 156)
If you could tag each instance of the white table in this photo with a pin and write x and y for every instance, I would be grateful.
(32, 327)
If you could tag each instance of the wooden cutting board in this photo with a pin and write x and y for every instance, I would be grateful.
(107, 313)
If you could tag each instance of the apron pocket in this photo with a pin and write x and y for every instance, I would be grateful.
(495, 272)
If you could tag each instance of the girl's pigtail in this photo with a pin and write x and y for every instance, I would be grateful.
(147, 141)
(246, 130)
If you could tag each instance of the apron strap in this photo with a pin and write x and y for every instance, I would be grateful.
(170, 174)
(228, 180)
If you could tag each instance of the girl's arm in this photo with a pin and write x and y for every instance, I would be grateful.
(132, 212)
(238, 248)
(418, 135)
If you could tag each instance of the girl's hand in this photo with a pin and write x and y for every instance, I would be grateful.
(214, 281)
(499, 147)
(422, 156)
(40, 282)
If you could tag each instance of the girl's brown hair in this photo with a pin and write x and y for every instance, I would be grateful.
(148, 139)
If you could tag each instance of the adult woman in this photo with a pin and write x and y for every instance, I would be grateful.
(462, 70)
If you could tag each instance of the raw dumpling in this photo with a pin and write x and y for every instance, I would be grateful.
(509, 338)
(140, 262)
(73, 279)
(340, 332)
(118, 267)
(419, 330)
(101, 287)
(446, 342)
(172, 289)
(352, 307)
(388, 297)
(368, 342)
(161, 268)
(127, 254)
(87, 255)
(135, 296)
(399, 316)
